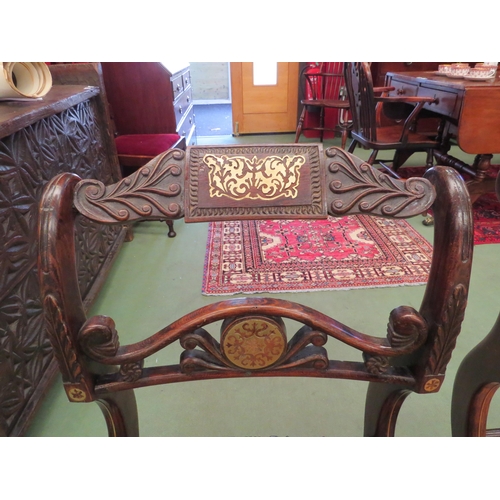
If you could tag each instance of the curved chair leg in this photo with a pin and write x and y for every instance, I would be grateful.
(352, 146)
(300, 124)
(430, 158)
(120, 412)
(344, 137)
(171, 232)
(372, 157)
(477, 380)
(400, 158)
(470, 406)
(383, 402)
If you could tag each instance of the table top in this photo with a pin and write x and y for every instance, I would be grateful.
(459, 83)
(15, 115)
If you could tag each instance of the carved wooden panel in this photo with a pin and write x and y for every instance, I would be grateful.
(68, 141)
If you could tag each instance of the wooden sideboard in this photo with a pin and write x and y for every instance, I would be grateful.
(67, 131)
(150, 98)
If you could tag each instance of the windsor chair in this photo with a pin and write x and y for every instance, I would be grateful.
(384, 122)
(325, 104)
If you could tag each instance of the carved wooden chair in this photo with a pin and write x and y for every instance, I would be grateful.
(476, 382)
(325, 104)
(382, 122)
(208, 183)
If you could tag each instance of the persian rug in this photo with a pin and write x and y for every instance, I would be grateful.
(312, 255)
(486, 209)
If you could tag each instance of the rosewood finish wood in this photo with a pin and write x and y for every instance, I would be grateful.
(476, 383)
(246, 337)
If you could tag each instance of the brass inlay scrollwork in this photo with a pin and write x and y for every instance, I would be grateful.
(239, 177)
(253, 343)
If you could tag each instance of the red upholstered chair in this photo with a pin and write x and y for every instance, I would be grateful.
(135, 150)
(140, 101)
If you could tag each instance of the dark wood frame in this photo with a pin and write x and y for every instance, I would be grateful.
(411, 358)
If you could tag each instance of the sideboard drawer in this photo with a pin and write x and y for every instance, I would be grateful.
(177, 86)
(182, 105)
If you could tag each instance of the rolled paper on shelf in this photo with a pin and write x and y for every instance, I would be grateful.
(24, 79)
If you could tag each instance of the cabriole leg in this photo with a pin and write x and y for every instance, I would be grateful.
(383, 402)
(120, 412)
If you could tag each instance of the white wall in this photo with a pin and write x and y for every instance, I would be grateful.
(210, 82)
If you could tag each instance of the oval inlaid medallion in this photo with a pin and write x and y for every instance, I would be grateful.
(253, 343)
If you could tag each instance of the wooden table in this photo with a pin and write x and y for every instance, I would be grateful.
(472, 113)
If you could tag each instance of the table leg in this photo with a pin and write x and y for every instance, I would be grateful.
(481, 183)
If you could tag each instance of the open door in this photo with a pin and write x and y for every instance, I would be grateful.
(264, 97)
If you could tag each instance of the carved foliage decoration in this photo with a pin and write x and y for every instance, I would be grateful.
(153, 192)
(98, 338)
(406, 327)
(355, 187)
(447, 331)
(72, 140)
(58, 331)
(253, 343)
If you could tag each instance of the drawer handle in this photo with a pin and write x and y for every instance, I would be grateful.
(178, 87)
(400, 91)
(180, 110)
(187, 98)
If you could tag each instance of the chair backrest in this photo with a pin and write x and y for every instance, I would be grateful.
(325, 81)
(359, 83)
(290, 181)
(140, 97)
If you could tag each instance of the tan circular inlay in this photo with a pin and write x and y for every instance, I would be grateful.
(254, 342)
(76, 394)
(432, 385)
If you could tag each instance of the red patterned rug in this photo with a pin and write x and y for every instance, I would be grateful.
(486, 209)
(310, 255)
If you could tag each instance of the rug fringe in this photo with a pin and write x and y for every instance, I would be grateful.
(307, 290)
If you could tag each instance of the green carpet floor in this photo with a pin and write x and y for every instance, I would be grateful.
(156, 279)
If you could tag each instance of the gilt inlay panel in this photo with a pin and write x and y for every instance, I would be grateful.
(268, 178)
(255, 181)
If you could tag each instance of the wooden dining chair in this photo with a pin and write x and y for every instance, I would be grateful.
(384, 122)
(246, 337)
(476, 383)
(325, 105)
